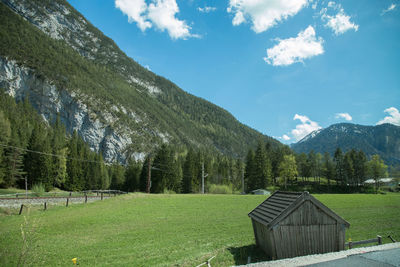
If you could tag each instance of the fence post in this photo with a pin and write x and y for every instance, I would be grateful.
(85, 198)
(67, 202)
(70, 193)
(350, 244)
(379, 239)
(20, 210)
(45, 206)
(101, 195)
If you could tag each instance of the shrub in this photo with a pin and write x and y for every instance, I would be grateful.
(219, 189)
(38, 189)
(166, 191)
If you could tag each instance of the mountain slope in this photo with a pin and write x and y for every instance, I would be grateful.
(383, 140)
(52, 54)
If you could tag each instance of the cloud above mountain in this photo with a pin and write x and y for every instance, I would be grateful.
(263, 14)
(160, 14)
(393, 118)
(295, 49)
(306, 127)
(345, 116)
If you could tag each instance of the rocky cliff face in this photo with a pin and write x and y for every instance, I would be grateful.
(59, 21)
(21, 82)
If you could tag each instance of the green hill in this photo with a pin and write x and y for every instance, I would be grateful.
(52, 54)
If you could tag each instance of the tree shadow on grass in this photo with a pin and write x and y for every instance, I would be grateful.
(241, 254)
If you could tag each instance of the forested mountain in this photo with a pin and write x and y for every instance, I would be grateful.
(383, 140)
(51, 54)
(44, 154)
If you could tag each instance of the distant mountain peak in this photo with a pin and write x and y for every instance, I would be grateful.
(310, 135)
(383, 139)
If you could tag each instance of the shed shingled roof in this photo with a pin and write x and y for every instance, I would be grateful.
(281, 203)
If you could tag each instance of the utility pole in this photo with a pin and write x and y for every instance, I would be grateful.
(242, 180)
(202, 177)
(26, 187)
(148, 176)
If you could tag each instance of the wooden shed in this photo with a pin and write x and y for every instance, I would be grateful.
(291, 224)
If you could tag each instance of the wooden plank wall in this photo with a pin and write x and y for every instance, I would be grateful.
(307, 230)
(264, 239)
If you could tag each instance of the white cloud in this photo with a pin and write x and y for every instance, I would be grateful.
(160, 13)
(285, 137)
(339, 23)
(292, 50)
(206, 9)
(393, 118)
(314, 5)
(306, 127)
(135, 10)
(345, 116)
(263, 14)
(390, 8)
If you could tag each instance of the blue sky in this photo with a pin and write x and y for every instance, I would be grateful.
(284, 68)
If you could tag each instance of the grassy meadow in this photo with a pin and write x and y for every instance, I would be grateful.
(167, 230)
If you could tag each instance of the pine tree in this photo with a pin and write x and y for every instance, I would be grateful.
(38, 163)
(74, 170)
(249, 172)
(117, 175)
(103, 181)
(339, 166)
(164, 172)
(5, 130)
(302, 165)
(58, 145)
(144, 174)
(328, 168)
(132, 174)
(348, 167)
(189, 172)
(360, 167)
(312, 164)
(263, 167)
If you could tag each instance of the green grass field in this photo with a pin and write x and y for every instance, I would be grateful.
(168, 230)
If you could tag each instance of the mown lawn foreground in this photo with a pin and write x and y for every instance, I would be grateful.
(169, 230)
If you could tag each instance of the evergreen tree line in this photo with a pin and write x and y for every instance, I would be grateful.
(38, 153)
(33, 152)
(268, 166)
(351, 168)
(180, 172)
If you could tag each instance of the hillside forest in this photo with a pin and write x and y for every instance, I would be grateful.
(34, 152)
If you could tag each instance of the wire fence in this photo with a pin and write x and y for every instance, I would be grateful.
(61, 194)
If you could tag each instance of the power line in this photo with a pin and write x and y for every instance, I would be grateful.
(52, 155)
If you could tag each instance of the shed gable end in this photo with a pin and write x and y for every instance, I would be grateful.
(308, 214)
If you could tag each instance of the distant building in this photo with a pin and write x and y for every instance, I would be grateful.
(260, 192)
(291, 224)
(384, 181)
